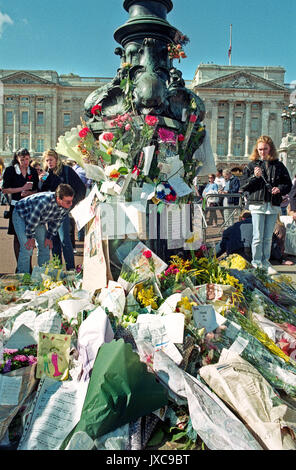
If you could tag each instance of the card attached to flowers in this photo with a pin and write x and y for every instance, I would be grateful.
(53, 355)
(205, 317)
(144, 261)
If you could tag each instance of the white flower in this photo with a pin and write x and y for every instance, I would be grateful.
(67, 145)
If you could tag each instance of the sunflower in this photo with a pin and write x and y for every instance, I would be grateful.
(11, 288)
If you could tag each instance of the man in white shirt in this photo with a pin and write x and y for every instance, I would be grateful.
(220, 181)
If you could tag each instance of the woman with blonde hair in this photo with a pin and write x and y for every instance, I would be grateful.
(56, 173)
(266, 180)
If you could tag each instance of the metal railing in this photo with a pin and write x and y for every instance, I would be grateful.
(229, 213)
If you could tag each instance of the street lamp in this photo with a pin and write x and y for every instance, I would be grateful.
(289, 118)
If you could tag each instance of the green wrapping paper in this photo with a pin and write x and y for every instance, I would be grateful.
(120, 391)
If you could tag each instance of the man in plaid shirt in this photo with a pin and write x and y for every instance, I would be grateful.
(30, 217)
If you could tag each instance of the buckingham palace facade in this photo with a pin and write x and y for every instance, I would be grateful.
(37, 106)
(241, 103)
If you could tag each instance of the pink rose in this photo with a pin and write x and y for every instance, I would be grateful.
(192, 118)
(20, 357)
(166, 136)
(151, 120)
(128, 127)
(108, 136)
(84, 131)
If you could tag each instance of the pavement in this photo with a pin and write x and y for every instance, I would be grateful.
(8, 261)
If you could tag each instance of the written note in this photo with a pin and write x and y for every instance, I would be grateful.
(10, 388)
(204, 316)
(57, 410)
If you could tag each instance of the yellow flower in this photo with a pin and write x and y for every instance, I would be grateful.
(235, 262)
(109, 152)
(147, 298)
(11, 288)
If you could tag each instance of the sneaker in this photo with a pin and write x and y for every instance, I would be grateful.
(271, 271)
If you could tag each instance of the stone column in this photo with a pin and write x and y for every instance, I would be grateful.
(54, 112)
(230, 128)
(248, 127)
(214, 124)
(32, 124)
(265, 119)
(1, 127)
(48, 123)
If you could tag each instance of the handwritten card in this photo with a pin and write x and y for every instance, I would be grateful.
(204, 316)
(179, 185)
(53, 355)
(10, 388)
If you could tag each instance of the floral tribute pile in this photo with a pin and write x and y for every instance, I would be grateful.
(219, 337)
(134, 150)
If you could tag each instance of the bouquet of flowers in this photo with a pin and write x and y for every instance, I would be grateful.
(17, 358)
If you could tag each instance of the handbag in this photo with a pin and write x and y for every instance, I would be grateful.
(6, 213)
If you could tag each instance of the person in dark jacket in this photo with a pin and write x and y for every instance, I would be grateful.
(266, 180)
(55, 174)
(292, 199)
(237, 238)
(20, 179)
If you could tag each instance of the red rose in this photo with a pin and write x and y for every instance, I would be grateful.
(147, 254)
(181, 137)
(151, 120)
(96, 109)
(84, 132)
(192, 118)
(108, 136)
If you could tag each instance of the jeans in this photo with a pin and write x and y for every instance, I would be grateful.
(23, 263)
(263, 227)
(62, 242)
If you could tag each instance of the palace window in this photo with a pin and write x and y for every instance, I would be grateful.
(254, 124)
(40, 145)
(25, 142)
(40, 118)
(67, 119)
(25, 117)
(221, 149)
(221, 123)
(237, 149)
(9, 117)
(237, 123)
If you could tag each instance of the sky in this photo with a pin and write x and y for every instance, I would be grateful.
(74, 36)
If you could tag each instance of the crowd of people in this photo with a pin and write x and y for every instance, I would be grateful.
(41, 197)
(42, 194)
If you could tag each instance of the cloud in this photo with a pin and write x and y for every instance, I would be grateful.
(4, 18)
